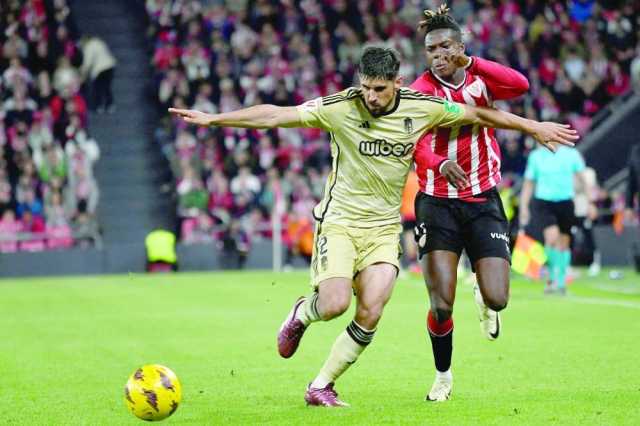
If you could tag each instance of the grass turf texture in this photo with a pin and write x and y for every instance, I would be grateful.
(67, 346)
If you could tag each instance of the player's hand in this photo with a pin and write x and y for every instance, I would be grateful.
(548, 134)
(455, 175)
(192, 116)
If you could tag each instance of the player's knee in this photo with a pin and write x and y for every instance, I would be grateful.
(497, 302)
(335, 307)
(370, 313)
(442, 313)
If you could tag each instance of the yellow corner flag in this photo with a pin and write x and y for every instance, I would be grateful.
(528, 256)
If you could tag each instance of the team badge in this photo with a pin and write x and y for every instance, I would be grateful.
(408, 125)
(452, 108)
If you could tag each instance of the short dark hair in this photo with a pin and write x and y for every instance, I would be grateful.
(379, 62)
(440, 20)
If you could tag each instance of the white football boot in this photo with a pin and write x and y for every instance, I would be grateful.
(442, 386)
(489, 319)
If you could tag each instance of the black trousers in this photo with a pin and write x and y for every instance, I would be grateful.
(102, 94)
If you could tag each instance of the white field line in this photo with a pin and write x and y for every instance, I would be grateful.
(603, 301)
(622, 289)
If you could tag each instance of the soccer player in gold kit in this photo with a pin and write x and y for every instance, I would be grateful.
(374, 129)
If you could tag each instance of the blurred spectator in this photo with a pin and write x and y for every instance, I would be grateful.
(235, 247)
(98, 65)
(408, 214)
(584, 249)
(33, 224)
(245, 183)
(299, 237)
(43, 121)
(198, 230)
(9, 229)
(632, 203)
(85, 228)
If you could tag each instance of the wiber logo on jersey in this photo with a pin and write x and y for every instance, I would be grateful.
(382, 148)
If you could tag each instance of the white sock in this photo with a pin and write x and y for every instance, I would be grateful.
(344, 352)
(444, 375)
(308, 312)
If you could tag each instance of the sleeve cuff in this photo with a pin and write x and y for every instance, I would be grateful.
(472, 61)
(442, 163)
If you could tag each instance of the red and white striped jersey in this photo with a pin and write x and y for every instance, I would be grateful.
(473, 147)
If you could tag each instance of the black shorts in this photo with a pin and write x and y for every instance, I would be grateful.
(547, 213)
(480, 228)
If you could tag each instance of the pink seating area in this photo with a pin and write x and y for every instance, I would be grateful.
(47, 187)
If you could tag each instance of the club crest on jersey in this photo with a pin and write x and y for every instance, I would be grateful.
(382, 148)
(408, 125)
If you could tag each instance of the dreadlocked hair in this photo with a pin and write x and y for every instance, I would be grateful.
(438, 19)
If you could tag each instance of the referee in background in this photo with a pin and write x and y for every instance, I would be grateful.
(549, 178)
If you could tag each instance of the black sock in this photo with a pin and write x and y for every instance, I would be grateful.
(441, 335)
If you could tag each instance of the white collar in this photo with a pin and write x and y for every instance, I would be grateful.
(449, 85)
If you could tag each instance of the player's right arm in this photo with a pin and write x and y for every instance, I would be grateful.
(256, 117)
(546, 133)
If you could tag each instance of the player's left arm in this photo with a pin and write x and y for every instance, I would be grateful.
(502, 82)
(546, 133)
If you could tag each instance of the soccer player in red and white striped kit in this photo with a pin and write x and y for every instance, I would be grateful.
(458, 206)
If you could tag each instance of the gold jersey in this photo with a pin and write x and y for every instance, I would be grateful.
(372, 155)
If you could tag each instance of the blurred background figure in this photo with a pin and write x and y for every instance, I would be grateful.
(584, 250)
(633, 184)
(98, 66)
(632, 202)
(407, 211)
(161, 251)
(235, 246)
(552, 176)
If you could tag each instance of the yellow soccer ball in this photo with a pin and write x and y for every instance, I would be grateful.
(153, 392)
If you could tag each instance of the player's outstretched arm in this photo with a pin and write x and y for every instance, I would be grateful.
(255, 117)
(546, 133)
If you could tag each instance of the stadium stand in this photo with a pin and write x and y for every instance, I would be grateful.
(48, 193)
(219, 56)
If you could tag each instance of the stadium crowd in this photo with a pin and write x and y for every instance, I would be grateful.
(218, 56)
(48, 194)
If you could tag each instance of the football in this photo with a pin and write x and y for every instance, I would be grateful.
(153, 392)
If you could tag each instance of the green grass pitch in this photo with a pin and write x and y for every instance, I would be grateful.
(67, 346)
